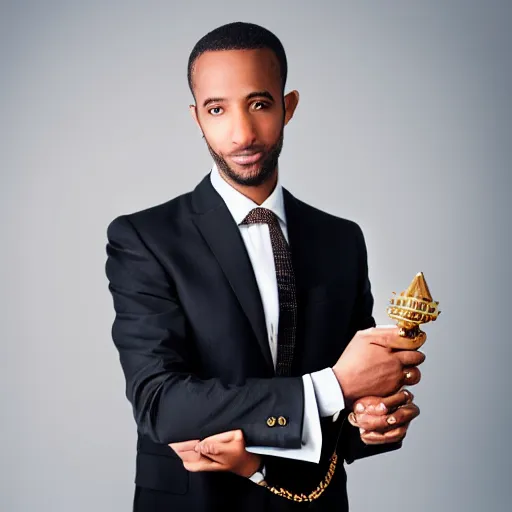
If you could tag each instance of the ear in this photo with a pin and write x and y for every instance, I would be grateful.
(193, 112)
(291, 100)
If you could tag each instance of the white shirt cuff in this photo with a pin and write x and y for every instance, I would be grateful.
(329, 397)
(259, 476)
(311, 432)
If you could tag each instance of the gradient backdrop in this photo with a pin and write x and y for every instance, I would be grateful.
(404, 125)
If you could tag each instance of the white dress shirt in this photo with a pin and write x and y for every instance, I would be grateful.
(322, 393)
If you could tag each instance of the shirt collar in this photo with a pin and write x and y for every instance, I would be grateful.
(240, 205)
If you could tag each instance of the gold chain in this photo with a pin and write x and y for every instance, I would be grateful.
(312, 495)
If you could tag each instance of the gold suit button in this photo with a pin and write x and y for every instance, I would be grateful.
(271, 421)
(282, 421)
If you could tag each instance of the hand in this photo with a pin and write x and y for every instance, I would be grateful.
(384, 420)
(221, 452)
(369, 367)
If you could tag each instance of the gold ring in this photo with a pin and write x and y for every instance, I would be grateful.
(408, 375)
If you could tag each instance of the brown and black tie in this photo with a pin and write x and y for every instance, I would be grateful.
(285, 287)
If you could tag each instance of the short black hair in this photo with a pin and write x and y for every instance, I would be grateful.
(239, 36)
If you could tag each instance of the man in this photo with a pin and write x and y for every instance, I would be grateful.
(244, 316)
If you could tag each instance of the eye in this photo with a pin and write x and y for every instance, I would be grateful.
(259, 105)
(215, 111)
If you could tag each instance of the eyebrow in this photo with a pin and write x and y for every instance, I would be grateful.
(207, 101)
(260, 94)
(256, 94)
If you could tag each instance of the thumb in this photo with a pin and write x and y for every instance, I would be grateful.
(383, 335)
(214, 451)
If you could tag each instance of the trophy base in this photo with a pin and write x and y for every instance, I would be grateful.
(411, 338)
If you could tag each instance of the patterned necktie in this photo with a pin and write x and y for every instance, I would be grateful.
(285, 287)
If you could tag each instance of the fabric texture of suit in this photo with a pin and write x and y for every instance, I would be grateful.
(191, 335)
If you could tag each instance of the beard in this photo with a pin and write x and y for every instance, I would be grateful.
(257, 177)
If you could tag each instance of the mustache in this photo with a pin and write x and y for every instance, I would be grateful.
(249, 150)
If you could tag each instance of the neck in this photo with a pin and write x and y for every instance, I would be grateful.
(257, 194)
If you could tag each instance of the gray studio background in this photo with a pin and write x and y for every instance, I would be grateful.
(404, 125)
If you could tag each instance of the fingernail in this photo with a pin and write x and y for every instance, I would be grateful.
(362, 430)
(381, 407)
(197, 448)
(391, 420)
(359, 408)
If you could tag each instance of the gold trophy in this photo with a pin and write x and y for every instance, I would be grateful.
(412, 308)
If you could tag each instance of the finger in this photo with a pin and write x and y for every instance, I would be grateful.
(394, 436)
(412, 376)
(402, 416)
(184, 446)
(409, 395)
(210, 449)
(203, 465)
(216, 445)
(379, 439)
(370, 404)
(402, 397)
(382, 406)
(410, 357)
(190, 456)
(352, 419)
(218, 451)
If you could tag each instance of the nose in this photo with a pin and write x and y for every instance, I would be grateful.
(243, 131)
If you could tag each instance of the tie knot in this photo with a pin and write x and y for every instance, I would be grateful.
(260, 216)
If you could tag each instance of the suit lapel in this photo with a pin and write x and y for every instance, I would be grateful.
(223, 237)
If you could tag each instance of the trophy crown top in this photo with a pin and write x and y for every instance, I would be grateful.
(418, 288)
(412, 308)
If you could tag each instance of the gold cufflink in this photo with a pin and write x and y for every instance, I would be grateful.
(271, 421)
(282, 421)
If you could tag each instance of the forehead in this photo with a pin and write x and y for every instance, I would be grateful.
(232, 73)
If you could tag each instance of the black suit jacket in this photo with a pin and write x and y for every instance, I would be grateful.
(193, 345)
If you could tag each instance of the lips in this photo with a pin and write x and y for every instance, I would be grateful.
(247, 159)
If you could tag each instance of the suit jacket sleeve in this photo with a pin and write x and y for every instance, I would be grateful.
(354, 447)
(170, 402)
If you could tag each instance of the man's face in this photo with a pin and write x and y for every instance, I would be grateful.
(239, 108)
